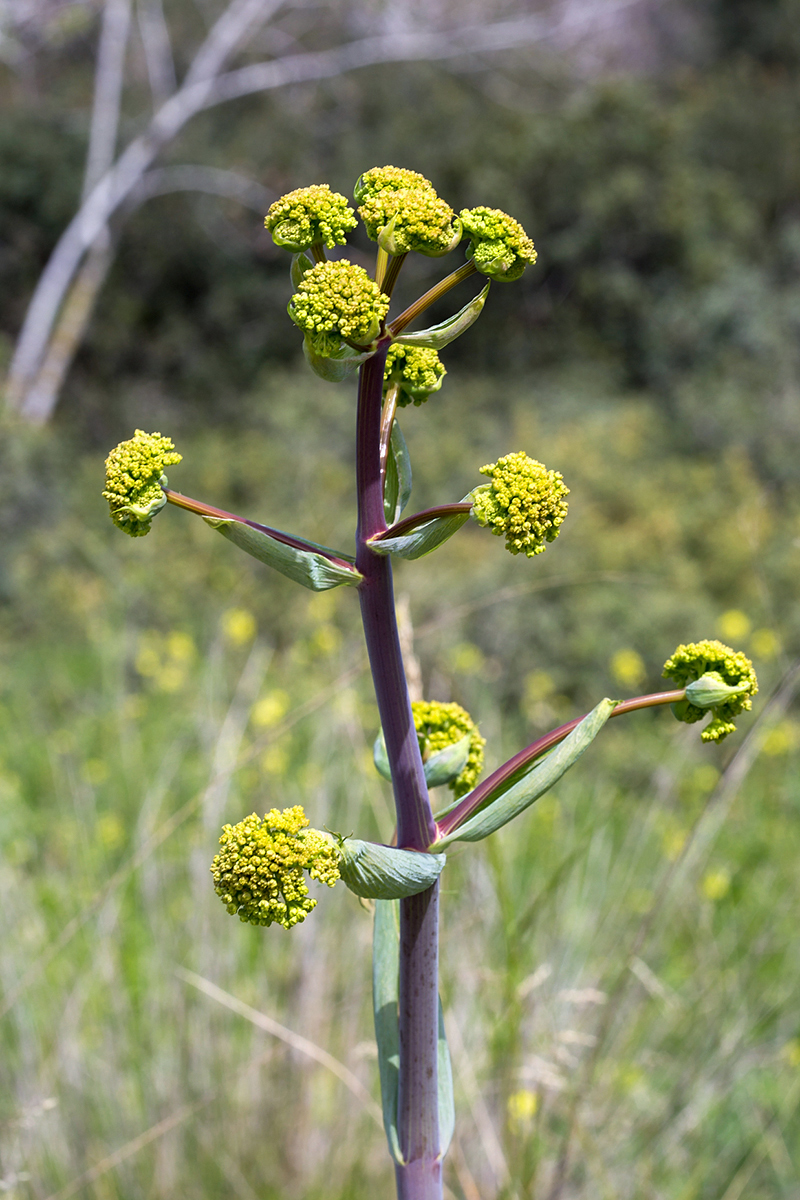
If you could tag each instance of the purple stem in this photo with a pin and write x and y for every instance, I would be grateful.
(420, 1177)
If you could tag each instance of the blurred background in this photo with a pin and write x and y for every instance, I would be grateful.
(618, 977)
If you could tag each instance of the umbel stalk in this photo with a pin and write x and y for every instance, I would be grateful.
(420, 1176)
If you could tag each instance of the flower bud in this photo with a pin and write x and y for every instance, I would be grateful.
(388, 179)
(439, 725)
(258, 872)
(499, 246)
(411, 219)
(716, 678)
(385, 873)
(418, 370)
(337, 302)
(308, 216)
(135, 480)
(525, 502)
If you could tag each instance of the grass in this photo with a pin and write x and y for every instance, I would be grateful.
(619, 968)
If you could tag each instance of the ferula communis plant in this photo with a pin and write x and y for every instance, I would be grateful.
(343, 313)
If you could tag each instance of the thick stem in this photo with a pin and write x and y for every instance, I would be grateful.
(420, 1178)
(418, 1106)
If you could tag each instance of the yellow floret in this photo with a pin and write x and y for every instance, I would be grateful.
(499, 246)
(439, 725)
(336, 302)
(712, 658)
(418, 370)
(525, 503)
(135, 480)
(310, 215)
(388, 179)
(410, 219)
(258, 872)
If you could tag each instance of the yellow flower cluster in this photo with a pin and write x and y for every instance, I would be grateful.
(258, 873)
(525, 502)
(402, 211)
(499, 246)
(711, 659)
(418, 370)
(310, 215)
(338, 301)
(135, 480)
(439, 725)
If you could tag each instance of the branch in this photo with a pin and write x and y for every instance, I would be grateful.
(157, 50)
(108, 80)
(161, 181)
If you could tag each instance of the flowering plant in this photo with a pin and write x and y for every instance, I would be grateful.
(258, 872)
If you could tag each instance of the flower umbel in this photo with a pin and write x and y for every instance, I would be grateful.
(337, 302)
(388, 179)
(712, 662)
(525, 502)
(440, 725)
(308, 216)
(258, 872)
(411, 219)
(135, 480)
(499, 246)
(418, 370)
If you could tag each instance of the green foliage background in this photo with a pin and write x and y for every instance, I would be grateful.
(619, 969)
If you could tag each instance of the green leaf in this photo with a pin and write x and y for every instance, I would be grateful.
(441, 335)
(381, 758)
(300, 264)
(423, 539)
(446, 764)
(334, 370)
(444, 1074)
(312, 570)
(379, 872)
(397, 490)
(385, 996)
(509, 803)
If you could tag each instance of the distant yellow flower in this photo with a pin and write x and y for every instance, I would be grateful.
(734, 625)
(716, 884)
(522, 1107)
(628, 668)
(239, 626)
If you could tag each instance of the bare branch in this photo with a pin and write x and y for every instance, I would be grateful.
(190, 178)
(157, 50)
(108, 80)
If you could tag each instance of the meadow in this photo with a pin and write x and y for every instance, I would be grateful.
(619, 973)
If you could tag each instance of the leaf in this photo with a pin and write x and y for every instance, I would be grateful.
(381, 758)
(445, 765)
(423, 539)
(441, 335)
(379, 872)
(300, 264)
(547, 772)
(397, 490)
(312, 570)
(334, 370)
(385, 997)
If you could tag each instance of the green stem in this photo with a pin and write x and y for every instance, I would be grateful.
(430, 297)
